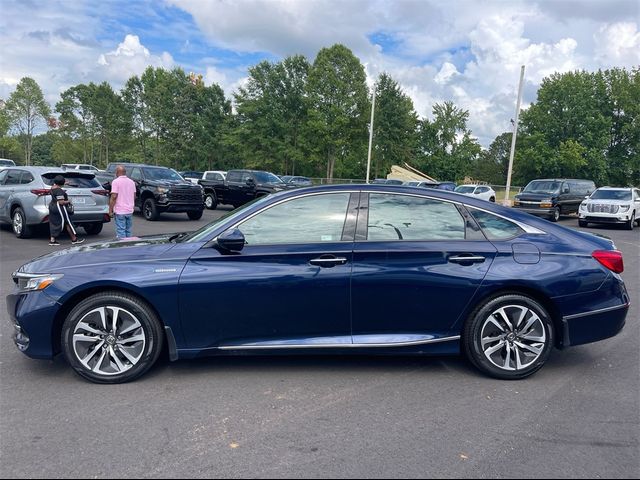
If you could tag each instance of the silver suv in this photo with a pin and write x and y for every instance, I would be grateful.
(25, 198)
(611, 205)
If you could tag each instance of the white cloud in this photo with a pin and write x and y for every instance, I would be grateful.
(130, 58)
(618, 43)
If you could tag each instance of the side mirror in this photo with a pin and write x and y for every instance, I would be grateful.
(230, 241)
(250, 182)
(566, 190)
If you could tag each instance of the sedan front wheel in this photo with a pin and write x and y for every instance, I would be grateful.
(509, 337)
(111, 337)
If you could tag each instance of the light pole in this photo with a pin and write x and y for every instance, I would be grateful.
(513, 138)
(373, 109)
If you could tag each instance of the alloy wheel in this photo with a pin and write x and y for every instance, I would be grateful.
(109, 340)
(18, 223)
(513, 337)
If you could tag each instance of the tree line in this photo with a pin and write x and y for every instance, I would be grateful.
(303, 118)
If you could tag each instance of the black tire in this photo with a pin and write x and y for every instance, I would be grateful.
(195, 214)
(19, 224)
(632, 222)
(94, 353)
(492, 199)
(93, 228)
(150, 210)
(210, 201)
(555, 216)
(514, 342)
(582, 223)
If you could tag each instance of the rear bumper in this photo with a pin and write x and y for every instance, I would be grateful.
(40, 214)
(594, 316)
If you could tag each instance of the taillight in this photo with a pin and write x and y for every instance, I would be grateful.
(101, 192)
(612, 259)
(41, 191)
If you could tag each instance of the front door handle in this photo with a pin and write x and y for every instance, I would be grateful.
(328, 261)
(469, 259)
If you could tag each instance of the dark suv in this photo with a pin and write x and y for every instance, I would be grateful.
(162, 189)
(553, 197)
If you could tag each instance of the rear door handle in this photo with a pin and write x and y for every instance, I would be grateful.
(328, 261)
(462, 259)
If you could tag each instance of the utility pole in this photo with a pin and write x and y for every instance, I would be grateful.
(513, 138)
(373, 109)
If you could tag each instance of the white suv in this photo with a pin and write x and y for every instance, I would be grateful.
(484, 192)
(611, 205)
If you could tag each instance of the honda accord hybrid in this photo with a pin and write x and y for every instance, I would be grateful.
(362, 269)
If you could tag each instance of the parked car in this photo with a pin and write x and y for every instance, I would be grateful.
(25, 198)
(554, 197)
(484, 192)
(611, 205)
(80, 166)
(162, 190)
(501, 286)
(192, 175)
(296, 181)
(240, 187)
(5, 162)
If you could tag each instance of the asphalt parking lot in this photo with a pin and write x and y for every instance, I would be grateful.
(317, 417)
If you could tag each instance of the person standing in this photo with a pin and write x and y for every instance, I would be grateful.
(59, 215)
(122, 201)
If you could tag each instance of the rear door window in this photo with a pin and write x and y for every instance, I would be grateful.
(26, 178)
(495, 227)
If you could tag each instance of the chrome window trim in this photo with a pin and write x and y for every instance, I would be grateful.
(326, 345)
(596, 312)
(523, 226)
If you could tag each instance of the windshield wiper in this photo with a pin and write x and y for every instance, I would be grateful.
(177, 236)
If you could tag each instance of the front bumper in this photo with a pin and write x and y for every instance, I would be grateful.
(604, 217)
(32, 315)
(541, 212)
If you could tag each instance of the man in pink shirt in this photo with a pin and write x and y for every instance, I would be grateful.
(123, 195)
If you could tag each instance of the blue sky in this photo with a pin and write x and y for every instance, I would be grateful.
(466, 51)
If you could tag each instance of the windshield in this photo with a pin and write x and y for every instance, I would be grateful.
(611, 195)
(542, 186)
(465, 189)
(266, 177)
(162, 174)
(205, 232)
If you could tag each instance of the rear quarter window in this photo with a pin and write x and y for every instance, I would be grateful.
(495, 227)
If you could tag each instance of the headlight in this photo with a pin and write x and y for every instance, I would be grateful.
(625, 208)
(546, 203)
(516, 202)
(583, 206)
(162, 190)
(32, 281)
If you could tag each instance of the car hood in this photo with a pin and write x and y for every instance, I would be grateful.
(137, 248)
(173, 183)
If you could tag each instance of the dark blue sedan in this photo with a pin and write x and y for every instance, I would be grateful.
(361, 268)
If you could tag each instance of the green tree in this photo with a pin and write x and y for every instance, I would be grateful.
(26, 110)
(449, 152)
(395, 124)
(493, 162)
(339, 106)
(77, 120)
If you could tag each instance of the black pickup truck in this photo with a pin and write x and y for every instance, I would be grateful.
(240, 187)
(160, 189)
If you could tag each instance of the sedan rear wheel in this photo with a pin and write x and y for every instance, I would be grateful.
(509, 337)
(111, 337)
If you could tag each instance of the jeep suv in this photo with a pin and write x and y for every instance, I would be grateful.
(162, 189)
